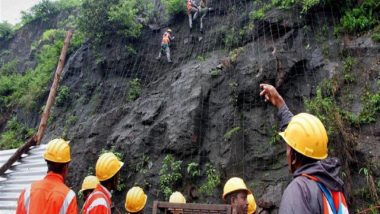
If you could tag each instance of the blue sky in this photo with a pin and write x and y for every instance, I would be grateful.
(10, 10)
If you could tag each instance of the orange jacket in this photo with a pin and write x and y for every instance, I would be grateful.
(47, 196)
(98, 202)
(166, 38)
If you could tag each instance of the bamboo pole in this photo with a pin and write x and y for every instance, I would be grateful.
(36, 139)
(53, 89)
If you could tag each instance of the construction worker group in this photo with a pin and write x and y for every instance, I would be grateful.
(315, 188)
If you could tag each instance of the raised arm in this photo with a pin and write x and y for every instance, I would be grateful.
(271, 95)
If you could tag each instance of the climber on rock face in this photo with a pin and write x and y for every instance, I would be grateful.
(165, 42)
(191, 8)
(235, 193)
(203, 10)
(316, 186)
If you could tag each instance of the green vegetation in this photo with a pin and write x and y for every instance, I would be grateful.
(234, 54)
(231, 132)
(68, 124)
(46, 9)
(175, 7)
(9, 67)
(213, 180)
(134, 89)
(193, 170)
(170, 175)
(371, 106)
(324, 106)
(100, 18)
(15, 134)
(306, 5)
(215, 72)
(63, 96)
(376, 34)
(362, 17)
(6, 31)
(275, 137)
(259, 13)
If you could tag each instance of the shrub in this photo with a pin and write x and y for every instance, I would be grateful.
(134, 89)
(306, 5)
(9, 67)
(42, 10)
(15, 134)
(175, 7)
(63, 96)
(170, 175)
(6, 31)
(193, 170)
(362, 17)
(100, 18)
(371, 106)
(123, 15)
(212, 181)
(25, 89)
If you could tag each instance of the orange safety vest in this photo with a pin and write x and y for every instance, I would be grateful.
(165, 38)
(98, 202)
(333, 202)
(49, 195)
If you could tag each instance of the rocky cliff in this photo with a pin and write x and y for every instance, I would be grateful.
(205, 107)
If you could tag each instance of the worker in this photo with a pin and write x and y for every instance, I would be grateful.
(191, 8)
(251, 204)
(165, 49)
(235, 193)
(50, 195)
(107, 171)
(316, 186)
(88, 186)
(177, 197)
(135, 200)
(203, 10)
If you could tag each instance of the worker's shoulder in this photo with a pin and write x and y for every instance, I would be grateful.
(303, 186)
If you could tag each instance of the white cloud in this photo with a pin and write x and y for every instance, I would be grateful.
(10, 10)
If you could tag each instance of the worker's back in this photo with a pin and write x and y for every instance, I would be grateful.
(49, 196)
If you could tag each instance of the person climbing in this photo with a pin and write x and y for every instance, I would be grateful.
(316, 186)
(251, 204)
(107, 171)
(165, 49)
(191, 8)
(88, 186)
(177, 197)
(235, 193)
(135, 200)
(51, 195)
(203, 10)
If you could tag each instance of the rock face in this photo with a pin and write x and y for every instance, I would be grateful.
(195, 109)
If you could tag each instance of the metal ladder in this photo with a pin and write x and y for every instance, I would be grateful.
(31, 167)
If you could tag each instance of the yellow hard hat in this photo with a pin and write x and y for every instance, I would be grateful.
(251, 204)
(234, 184)
(177, 197)
(307, 135)
(169, 30)
(58, 151)
(107, 166)
(89, 182)
(135, 200)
